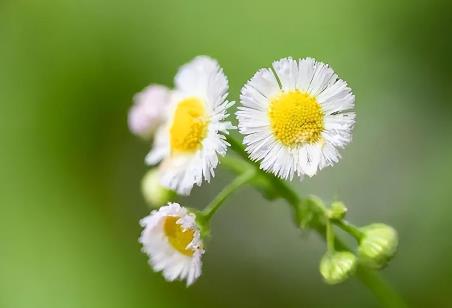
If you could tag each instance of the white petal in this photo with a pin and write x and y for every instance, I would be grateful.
(322, 77)
(264, 83)
(287, 71)
(305, 73)
(160, 148)
(311, 159)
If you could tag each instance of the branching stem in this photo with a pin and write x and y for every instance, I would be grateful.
(371, 279)
(349, 228)
(216, 203)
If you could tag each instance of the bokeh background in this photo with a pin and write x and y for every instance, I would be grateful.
(70, 171)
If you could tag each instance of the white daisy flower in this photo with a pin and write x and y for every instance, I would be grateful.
(296, 117)
(149, 110)
(190, 142)
(172, 240)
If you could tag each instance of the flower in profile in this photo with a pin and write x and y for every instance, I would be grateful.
(295, 118)
(189, 143)
(171, 238)
(149, 110)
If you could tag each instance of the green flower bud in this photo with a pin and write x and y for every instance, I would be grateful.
(154, 193)
(337, 210)
(378, 245)
(337, 267)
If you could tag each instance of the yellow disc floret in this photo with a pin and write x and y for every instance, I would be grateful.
(177, 237)
(189, 126)
(296, 118)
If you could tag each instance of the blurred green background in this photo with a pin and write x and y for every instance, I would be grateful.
(70, 171)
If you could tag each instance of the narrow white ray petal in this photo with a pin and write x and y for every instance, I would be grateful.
(287, 71)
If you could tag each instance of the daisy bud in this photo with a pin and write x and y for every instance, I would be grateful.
(337, 267)
(337, 210)
(378, 245)
(154, 193)
(172, 240)
(149, 110)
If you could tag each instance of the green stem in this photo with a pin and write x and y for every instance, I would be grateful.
(329, 236)
(276, 183)
(349, 228)
(380, 288)
(216, 203)
(372, 280)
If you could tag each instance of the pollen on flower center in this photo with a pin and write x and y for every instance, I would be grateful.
(296, 118)
(189, 125)
(177, 237)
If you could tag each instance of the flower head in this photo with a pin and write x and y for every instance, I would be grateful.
(171, 238)
(295, 118)
(149, 110)
(189, 143)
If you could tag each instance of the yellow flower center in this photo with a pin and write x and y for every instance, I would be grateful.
(189, 126)
(177, 237)
(296, 118)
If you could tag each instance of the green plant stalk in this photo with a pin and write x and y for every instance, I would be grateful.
(216, 203)
(349, 228)
(384, 292)
(330, 237)
(203, 217)
(381, 288)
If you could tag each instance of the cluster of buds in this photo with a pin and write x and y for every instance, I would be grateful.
(377, 245)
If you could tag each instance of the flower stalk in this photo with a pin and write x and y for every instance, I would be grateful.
(330, 237)
(310, 213)
(349, 228)
(204, 217)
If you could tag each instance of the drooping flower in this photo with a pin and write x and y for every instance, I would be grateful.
(190, 142)
(149, 110)
(171, 238)
(295, 118)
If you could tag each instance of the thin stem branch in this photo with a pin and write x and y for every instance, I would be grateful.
(285, 190)
(372, 280)
(216, 203)
(349, 228)
(329, 236)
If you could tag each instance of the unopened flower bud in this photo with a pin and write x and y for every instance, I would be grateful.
(337, 267)
(154, 193)
(337, 210)
(378, 245)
